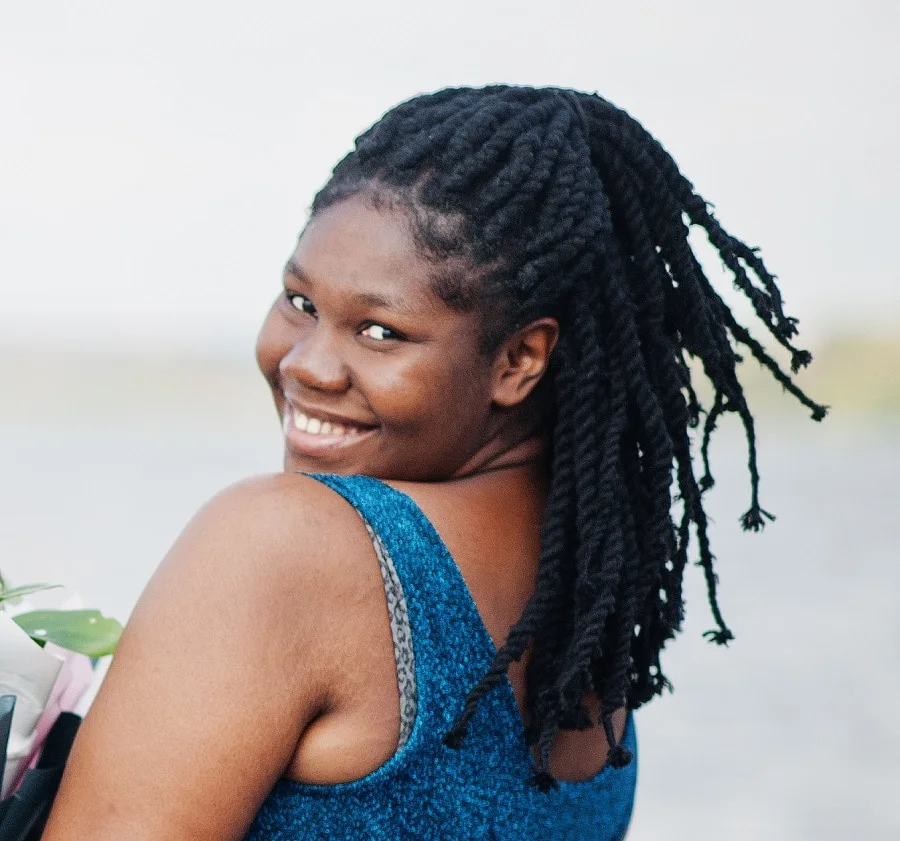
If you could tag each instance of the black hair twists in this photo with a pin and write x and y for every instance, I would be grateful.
(559, 203)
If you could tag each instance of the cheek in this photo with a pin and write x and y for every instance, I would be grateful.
(271, 345)
(438, 400)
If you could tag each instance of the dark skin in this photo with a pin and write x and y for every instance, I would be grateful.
(270, 605)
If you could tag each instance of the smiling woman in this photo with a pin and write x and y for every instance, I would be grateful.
(371, 371)
(437, 622)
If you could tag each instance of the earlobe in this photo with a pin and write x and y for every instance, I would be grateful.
(522, 361)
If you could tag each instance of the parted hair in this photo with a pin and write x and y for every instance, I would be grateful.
(532, 202)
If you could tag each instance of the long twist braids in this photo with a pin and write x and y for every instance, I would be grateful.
(535, 202)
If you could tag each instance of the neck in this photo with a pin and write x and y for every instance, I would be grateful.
(517, 445)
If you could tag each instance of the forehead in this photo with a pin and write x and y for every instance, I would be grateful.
(357, 249)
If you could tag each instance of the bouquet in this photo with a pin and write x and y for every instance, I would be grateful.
(47, 667)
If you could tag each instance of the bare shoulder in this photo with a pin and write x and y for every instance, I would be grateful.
(278, 503)
(280, 556)
(246, 621)
(284, 526)
(263, 574)
(271, 563)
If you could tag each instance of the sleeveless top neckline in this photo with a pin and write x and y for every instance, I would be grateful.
(427, 790)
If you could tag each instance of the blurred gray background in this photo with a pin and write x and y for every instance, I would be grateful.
(156, 163)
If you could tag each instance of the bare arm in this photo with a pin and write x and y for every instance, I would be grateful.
(219, 671)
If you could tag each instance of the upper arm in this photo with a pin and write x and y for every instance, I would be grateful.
(220, 668)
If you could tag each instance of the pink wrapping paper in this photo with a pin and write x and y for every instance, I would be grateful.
(74, 678)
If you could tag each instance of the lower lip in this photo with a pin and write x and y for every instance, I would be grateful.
(305, 444)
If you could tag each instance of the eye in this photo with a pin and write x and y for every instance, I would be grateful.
(300, 302)
(380, 333)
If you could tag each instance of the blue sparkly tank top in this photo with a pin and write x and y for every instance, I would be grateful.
(426, 790)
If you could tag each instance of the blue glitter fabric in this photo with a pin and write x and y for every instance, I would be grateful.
(427, 790)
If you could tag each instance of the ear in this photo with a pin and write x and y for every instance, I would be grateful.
(522, 360)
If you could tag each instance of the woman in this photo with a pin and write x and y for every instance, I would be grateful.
(482, 341)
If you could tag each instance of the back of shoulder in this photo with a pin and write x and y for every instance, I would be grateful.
(282, 531)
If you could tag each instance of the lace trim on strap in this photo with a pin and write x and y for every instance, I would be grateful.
(402, 638)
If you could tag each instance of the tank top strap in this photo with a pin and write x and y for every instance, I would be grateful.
(451, 647)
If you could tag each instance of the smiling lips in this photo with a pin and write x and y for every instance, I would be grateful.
(310, 435)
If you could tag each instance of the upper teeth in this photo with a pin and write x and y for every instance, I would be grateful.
(314, 426)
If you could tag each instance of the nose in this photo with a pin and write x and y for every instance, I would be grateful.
(315, 361)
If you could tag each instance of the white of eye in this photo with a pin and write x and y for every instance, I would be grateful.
(301, 303)
(376, 331)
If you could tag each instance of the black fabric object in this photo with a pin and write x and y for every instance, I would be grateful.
(59, 741)
(27, 810)
(24, 814)
(7, 705)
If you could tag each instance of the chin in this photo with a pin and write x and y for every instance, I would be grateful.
(294, 463)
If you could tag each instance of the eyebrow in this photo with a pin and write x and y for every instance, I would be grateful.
(372, 299)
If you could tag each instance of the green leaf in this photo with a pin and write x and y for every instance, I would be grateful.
(25, 590)
(85, 631)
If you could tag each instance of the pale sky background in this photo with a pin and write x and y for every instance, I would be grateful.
(157, 158)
